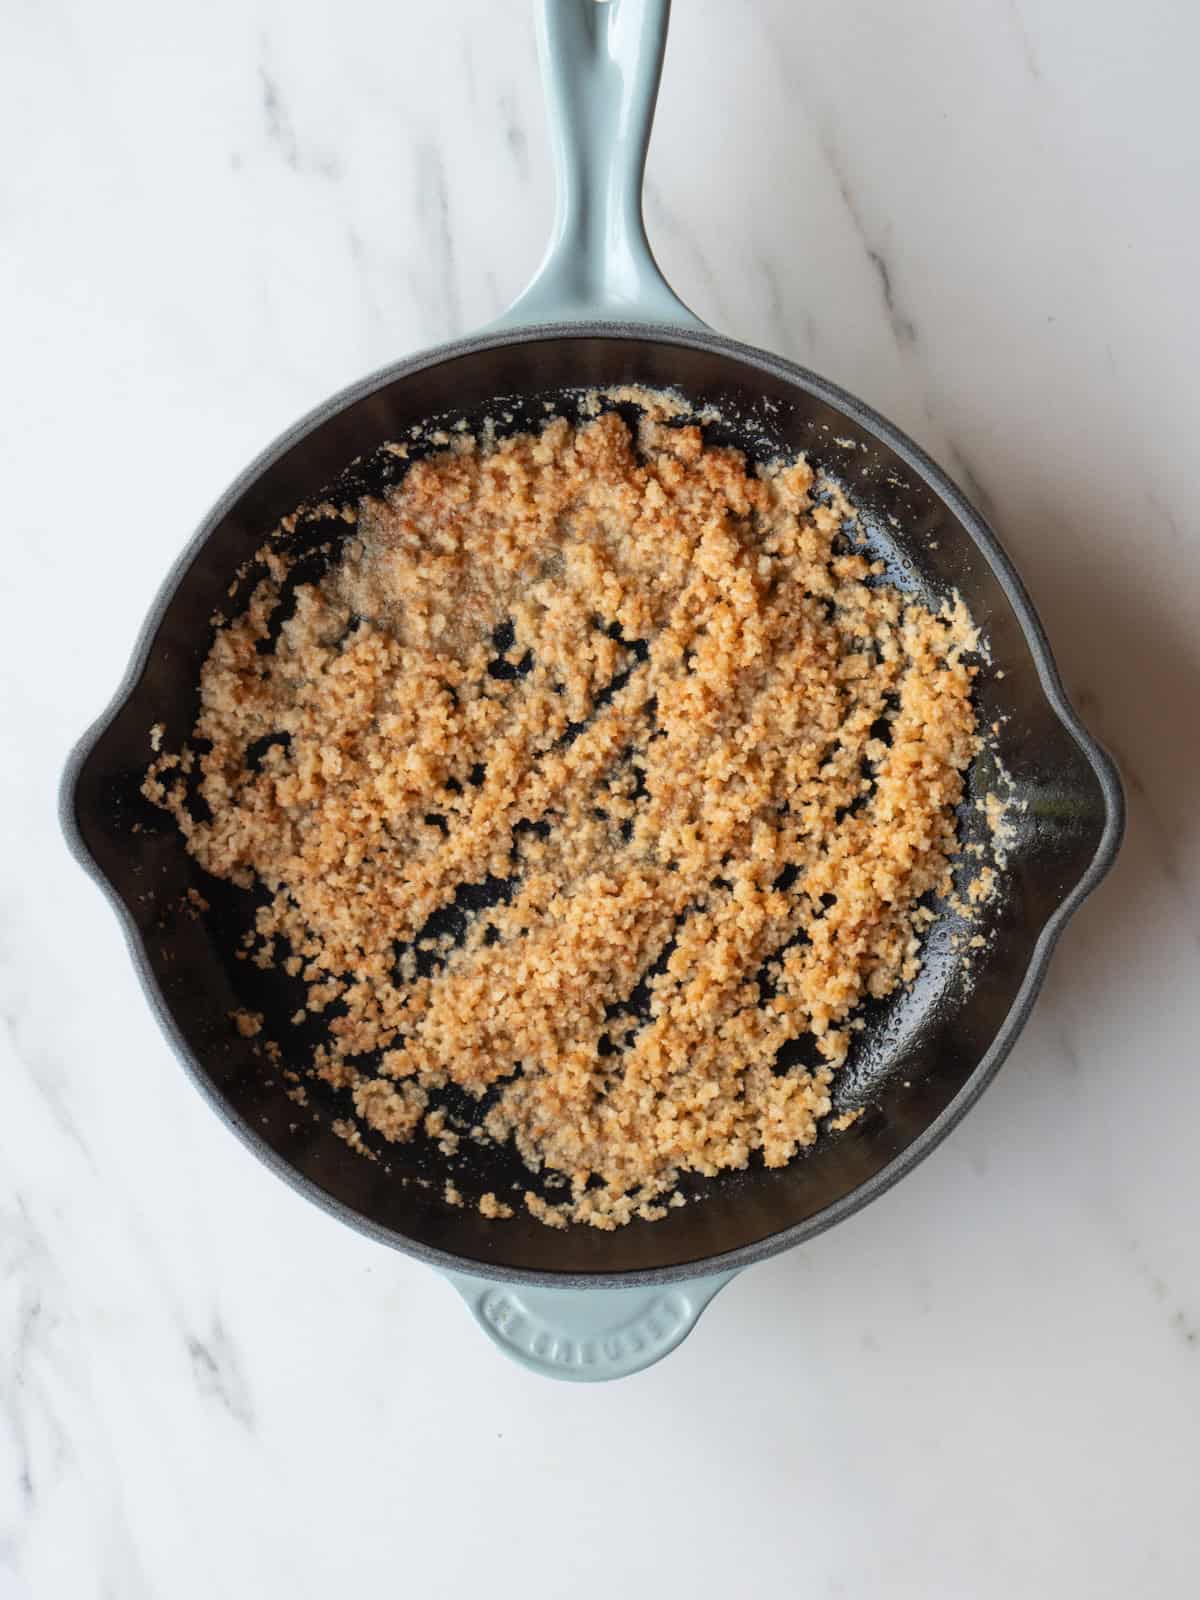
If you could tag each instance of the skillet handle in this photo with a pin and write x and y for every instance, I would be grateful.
(587, 1335)
(601, 61)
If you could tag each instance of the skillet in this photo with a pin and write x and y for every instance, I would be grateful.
(578, 1303)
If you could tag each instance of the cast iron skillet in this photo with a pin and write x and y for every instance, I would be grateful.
(581, 1303)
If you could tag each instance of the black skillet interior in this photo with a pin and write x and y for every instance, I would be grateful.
(920, 1050)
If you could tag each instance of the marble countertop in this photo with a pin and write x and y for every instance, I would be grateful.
(981, 218)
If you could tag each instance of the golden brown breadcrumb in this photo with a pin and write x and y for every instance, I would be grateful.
(705, 759)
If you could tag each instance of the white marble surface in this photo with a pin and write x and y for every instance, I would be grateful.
(984, 219)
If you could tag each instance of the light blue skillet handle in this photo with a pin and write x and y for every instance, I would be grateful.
(601, 61)
(587, 1335)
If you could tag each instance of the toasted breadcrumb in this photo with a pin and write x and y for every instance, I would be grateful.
(846, 1120)
(351, 1133)
(661, 704)
(981, 886)
(552, 1216)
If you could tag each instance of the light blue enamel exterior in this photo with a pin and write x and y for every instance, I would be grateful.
(587, 1335)
(601, 62)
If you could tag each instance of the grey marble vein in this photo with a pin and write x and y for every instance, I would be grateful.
(969, 478)
(516, 141)
(44, 1072)
(1068, 1053)
(900, 321)
(37, 1438)
(977, 1161)
(660, 214)
(359, 258)
(1162, 510)
(1188, 1328)
(1028, 55)
(281, 132)
(278, 124)
(433, 214)
(1181, 1320)
(217, 1371)
(779, 317)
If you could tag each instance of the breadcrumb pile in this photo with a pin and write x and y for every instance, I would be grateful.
(702, 758)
